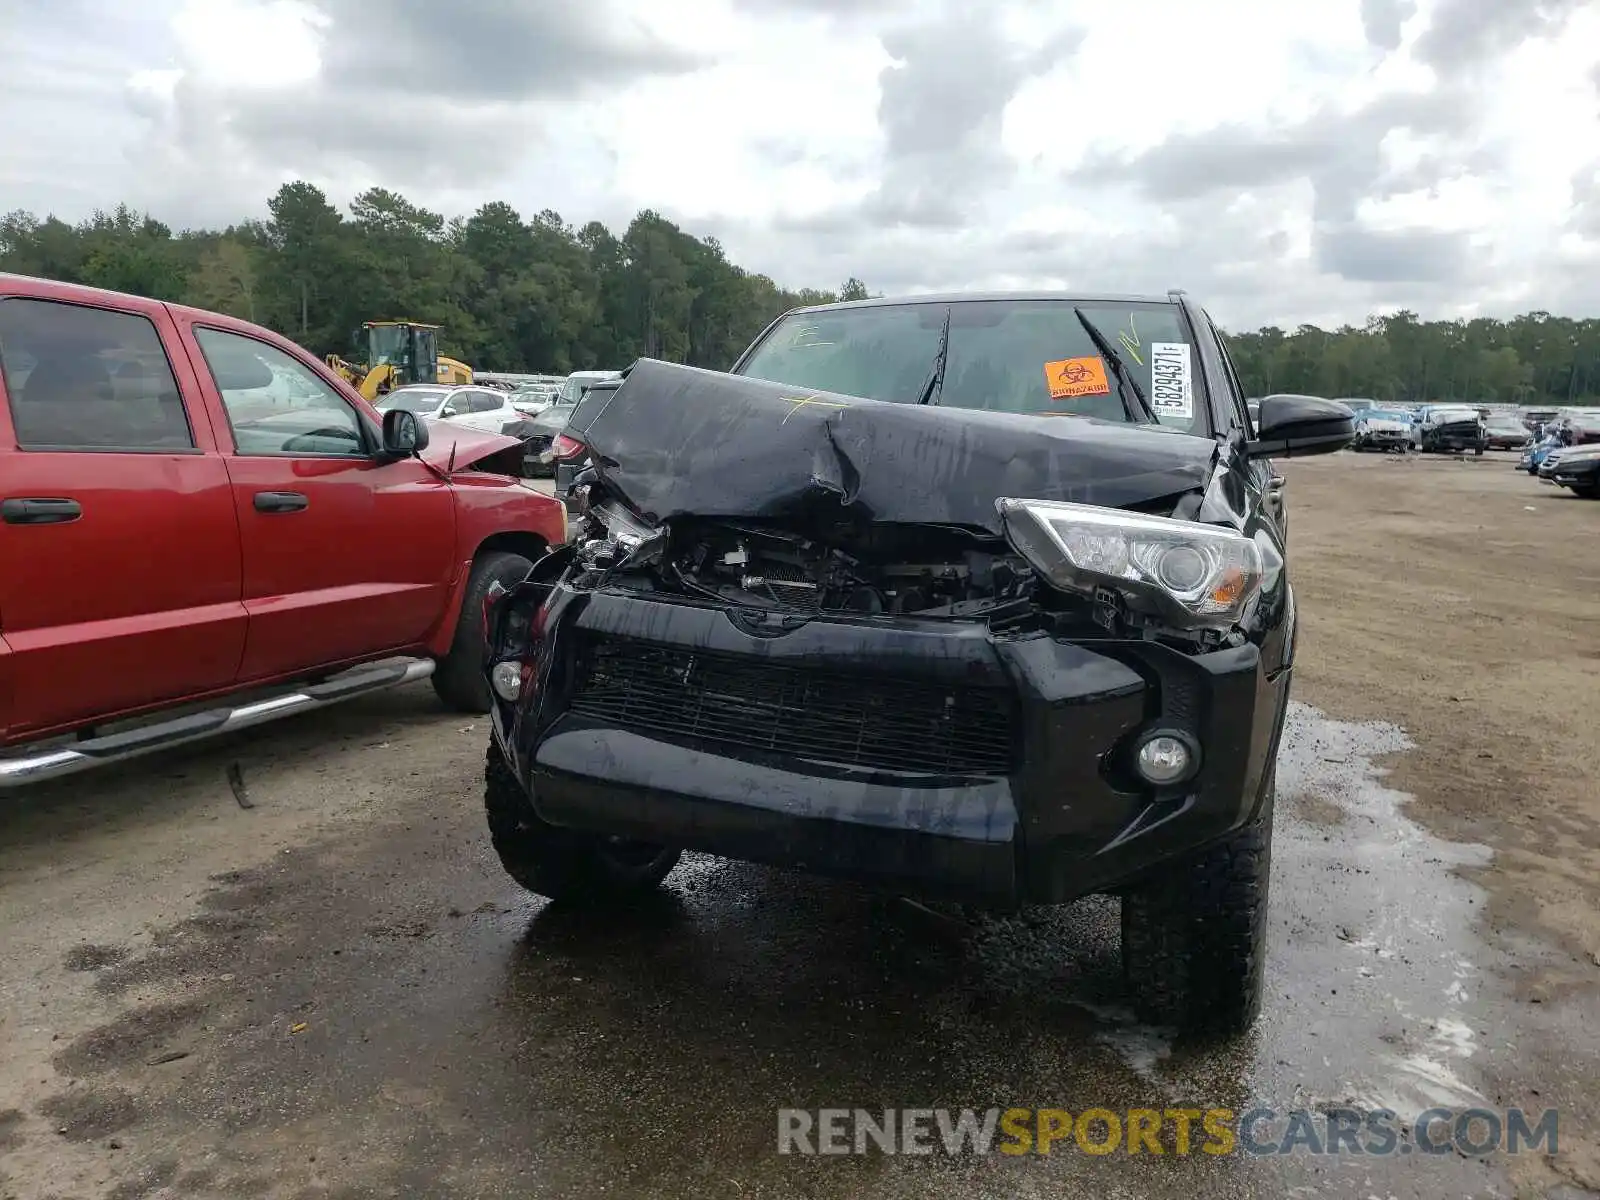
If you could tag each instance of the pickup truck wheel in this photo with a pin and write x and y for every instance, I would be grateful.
(1194, 937)
(458, 677)
(565, 864)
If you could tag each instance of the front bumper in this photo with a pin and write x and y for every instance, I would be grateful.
(1452, 441)
(1585, 473)
(926, 756)
(1386, 438)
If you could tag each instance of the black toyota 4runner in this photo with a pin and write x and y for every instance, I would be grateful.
(973, 597)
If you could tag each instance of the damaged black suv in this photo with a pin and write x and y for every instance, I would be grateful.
(972, 597)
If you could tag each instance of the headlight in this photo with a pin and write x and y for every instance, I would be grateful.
(1195, 576)
(626, 540)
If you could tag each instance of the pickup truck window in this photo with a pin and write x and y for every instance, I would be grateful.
(81, 378)
(268, 419)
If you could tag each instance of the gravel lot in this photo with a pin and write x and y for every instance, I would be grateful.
(336, 993)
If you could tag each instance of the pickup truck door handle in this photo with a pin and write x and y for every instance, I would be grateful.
(39, 510)
(278, 502)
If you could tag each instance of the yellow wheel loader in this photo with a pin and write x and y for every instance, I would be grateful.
(392, 354)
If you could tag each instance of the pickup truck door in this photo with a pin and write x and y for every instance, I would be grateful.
(119, 551)
(346, 556)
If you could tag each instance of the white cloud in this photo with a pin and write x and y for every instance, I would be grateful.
(1284, 162)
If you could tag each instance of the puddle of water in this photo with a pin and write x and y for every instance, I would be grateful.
(1373, 990)
(1375, 962)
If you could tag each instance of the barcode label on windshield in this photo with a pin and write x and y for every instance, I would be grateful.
(1171, 389)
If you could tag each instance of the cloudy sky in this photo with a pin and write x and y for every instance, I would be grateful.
(1284, 161)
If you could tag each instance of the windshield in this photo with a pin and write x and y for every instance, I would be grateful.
(387, 344)
(1018, 356)
(417, 400)
(1387, 414)
(1453, 414)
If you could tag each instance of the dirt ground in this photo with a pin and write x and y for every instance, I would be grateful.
(1460, 599)
(336, 994)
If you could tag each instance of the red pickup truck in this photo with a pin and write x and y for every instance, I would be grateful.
(203, 528)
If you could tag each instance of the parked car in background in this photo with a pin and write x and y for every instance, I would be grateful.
(1448, 429)
(175, 531)
(1581, 430)
(1546, 469)
(531, 399)
(951, 595)
(1533, 457)
(1537, 418)
(1504, 431)
(476, 407)
(1356, 404)
(574, 385)
(1383, 429)
(537, 432)
(1577, 468)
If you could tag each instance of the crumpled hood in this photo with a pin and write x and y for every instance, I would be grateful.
(677, 441)
(1384, 425)
(471, 445)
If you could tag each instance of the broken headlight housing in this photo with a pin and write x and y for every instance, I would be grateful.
(1190, 575)
(619, 539)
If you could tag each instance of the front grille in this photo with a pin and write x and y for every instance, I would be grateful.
(716, 700)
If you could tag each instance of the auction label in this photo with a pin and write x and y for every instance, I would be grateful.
(1171, 383)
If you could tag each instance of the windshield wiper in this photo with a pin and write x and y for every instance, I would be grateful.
(1126, 383)
(935, 379)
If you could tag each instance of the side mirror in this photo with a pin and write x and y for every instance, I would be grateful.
(404, 434)
(449, 410)
(1299, 426)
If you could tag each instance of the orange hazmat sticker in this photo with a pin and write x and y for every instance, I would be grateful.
(1069, 377)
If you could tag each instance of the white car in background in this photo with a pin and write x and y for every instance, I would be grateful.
(1382, 429)
(575, 385)
(532, 399)
(476, 407)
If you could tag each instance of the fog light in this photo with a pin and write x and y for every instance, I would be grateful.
(1164, 759)
(506, 679)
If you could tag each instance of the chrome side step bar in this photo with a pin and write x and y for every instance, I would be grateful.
(193, 727)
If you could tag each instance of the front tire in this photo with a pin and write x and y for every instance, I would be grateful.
(564, 864)
(1194, 937)
(459, 679)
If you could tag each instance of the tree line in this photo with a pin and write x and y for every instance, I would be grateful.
(539, 294)
(511, 294)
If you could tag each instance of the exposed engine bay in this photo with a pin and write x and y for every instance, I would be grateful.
(929, 572)
(885, 571)
(752, 565)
